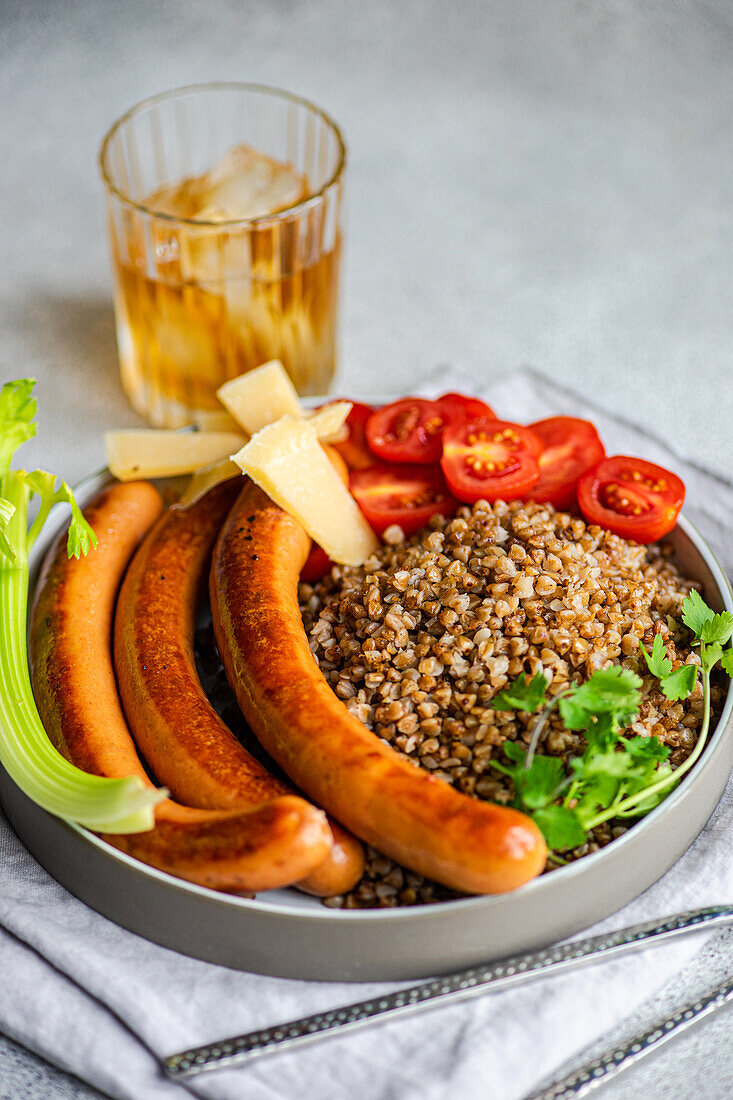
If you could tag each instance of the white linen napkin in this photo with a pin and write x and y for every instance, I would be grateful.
(104, 1004)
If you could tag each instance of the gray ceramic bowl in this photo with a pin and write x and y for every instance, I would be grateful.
(287, 934)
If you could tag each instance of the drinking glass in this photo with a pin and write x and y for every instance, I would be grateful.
(201, 297)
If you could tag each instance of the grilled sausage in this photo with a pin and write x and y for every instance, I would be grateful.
(189, 748)
(414, 817)
(74, 683)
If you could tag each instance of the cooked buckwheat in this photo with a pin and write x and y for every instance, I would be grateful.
(418, 640)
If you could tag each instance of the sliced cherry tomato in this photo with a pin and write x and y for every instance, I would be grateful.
(490, 459)
(465, 408)
(316, 566)
(410, 430)
(569, 448)
(631, 497)
(407, 495)
(354, 450)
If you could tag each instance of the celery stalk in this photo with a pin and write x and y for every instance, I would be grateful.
(105, 805)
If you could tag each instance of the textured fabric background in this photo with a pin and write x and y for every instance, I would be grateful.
(545, 181)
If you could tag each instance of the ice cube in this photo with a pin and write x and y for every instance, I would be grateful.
(186, 334)
(180, 200)
(244, 184)
(247, 184)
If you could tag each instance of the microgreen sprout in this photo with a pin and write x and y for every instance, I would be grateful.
(616, 776)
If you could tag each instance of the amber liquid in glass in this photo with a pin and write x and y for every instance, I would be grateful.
(197, 305)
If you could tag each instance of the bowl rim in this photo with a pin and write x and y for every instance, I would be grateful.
(571, 873)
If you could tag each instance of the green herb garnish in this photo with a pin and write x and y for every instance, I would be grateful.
(657, 661)
(616, 776)
(522, 694)
(106, 805)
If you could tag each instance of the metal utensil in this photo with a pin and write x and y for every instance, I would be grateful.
(241, 1049)
(581, 1081)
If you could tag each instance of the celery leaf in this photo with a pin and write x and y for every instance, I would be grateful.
(17, 410)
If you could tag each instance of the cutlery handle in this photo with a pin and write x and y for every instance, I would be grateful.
(241, 1049)
(600, 1070)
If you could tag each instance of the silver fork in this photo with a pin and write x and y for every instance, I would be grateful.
(620, 1058)
(242, 1049)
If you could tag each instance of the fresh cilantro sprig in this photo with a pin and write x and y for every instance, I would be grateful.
(615, 777)
(703, 622)
(536, 789)
(675, 684)
(610, 697)
(525, 694)
(711, 632)
(613, 693)
(599, 708)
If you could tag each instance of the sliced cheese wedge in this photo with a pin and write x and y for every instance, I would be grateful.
(260, 397)
(208, 477)
(163, 453)
(287, 461)
(330, 422)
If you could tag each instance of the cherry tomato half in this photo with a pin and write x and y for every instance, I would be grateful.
(407, 495)
(569, 448)
(410, 430)
(490, 459)
(354, 450)
(631, 497)
(466, 408)
(317, 565)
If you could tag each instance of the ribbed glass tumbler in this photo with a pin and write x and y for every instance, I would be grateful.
(225, 206)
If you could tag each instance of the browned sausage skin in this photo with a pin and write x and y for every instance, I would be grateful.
(178, 732)
(412, 816)
(189, 748)
(74, 683)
